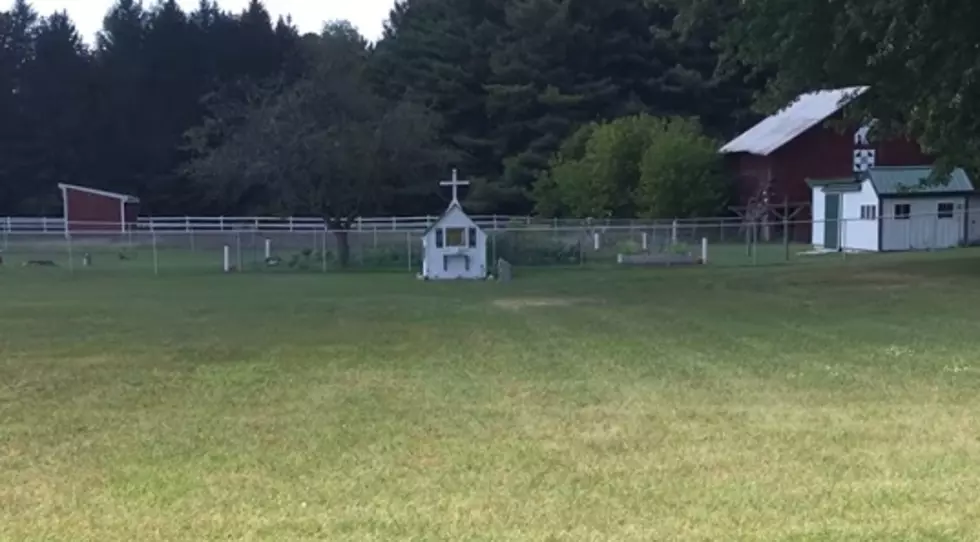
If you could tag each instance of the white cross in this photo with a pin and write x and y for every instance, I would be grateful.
(455, 183)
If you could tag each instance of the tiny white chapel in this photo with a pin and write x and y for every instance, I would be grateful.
(892, 209)
(454, 247)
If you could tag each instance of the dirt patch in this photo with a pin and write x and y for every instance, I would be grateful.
(520, 303)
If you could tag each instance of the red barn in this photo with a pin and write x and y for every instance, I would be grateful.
(92, 210)
(772, 161)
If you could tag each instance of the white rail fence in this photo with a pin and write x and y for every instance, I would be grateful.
(300, 224)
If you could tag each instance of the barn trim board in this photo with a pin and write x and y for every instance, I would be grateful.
(891, 209)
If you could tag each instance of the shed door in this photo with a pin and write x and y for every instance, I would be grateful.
(831, 224)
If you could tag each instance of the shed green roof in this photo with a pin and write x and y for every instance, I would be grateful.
(836, 186)
(896, 181)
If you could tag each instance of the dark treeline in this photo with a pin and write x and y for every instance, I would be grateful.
(211, 112)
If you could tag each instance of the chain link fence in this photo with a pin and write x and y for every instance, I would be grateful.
(729, 243)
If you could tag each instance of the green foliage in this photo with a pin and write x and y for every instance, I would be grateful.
(918, 57)
(324, 146)
(663, 168)
(535, 249)
(681, 174)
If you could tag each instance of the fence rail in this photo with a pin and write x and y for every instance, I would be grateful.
(317, 249)
(300, 224)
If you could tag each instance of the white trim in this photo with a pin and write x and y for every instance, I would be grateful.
(95, 191)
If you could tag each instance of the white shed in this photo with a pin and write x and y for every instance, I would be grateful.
(890, 209)
(454, 247)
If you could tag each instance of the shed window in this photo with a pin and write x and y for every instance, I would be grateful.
(454, 237)
(439, 238)
(471, 237)
(869, 212)
(945, 210)
(903, 211)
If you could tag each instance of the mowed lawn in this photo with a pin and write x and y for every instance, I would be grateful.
(801, 403)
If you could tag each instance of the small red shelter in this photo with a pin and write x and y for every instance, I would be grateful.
(93, 210)
(772, 161)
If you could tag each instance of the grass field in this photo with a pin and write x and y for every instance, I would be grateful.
(796, 403)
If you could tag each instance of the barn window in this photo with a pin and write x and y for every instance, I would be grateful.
(903, 211)
(869, 212)
(945, 210)
(454, 237)
(471, 237)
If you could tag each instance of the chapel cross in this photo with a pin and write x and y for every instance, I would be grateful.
(455, 183)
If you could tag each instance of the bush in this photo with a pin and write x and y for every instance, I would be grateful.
(521, 250)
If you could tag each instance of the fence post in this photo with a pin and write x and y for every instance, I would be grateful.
(786, 227)
(408, 248)
(156, 257)
(673, 233)
(645, 237)
(238, 249)
(323, 247)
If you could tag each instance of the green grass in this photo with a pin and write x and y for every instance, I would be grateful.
(834, 401)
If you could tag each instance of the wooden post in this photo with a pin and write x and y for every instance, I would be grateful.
(704, 250)
(268, 248)
(645, 240)
(226, 265)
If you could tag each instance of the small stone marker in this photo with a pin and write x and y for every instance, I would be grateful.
(503, 270)
(87, 260)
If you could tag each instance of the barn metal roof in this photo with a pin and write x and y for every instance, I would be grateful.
(900, 180)
(105, 193)
(789, 123)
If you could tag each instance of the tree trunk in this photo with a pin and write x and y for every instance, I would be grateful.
(343, 246)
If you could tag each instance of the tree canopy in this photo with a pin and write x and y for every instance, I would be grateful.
(634, 166)
(499, 83)
(919, 58)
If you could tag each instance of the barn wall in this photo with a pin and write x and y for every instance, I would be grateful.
(859, 234)
(823, 153)
(132, 213)
(924, 229)
(92, 212)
